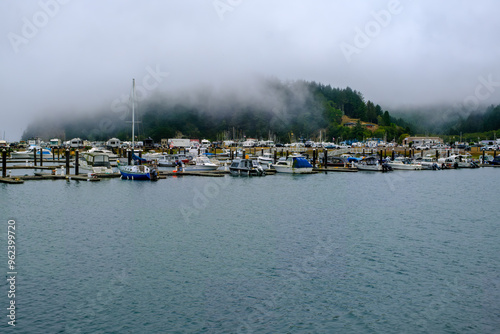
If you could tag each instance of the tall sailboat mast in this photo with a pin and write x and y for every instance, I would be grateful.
(133, 113)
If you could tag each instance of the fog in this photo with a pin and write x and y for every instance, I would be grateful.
(73, 56)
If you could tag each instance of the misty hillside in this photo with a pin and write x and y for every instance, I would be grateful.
(267, 107)
(451, 119)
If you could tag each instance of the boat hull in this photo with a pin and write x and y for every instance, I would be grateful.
(373, 168)
(398, 166)
(292, 170)
(245, 172)
(135, 172)
(135, 176)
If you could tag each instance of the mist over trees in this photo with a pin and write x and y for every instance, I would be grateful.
(284, 111)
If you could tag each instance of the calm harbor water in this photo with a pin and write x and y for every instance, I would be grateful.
(402, 252)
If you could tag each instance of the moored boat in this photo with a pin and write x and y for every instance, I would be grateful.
(202, 163)
(266, 160)
(428, 162)
(96, 163)
(137, 172)
(373, 164)
(293, 165)
(402, 163)
(30, 151)
(458, 161)
(246, 167)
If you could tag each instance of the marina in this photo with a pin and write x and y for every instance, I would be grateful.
(99, 163)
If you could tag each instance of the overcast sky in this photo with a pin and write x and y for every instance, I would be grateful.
(77, 56)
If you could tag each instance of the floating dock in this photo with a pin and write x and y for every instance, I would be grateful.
(11, 180)
(336, 169)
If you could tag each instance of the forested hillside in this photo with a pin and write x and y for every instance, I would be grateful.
(285, 111)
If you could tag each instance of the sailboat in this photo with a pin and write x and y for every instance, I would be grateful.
(136, 172)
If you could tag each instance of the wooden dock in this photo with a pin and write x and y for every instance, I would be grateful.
(41, 176)
(191, 173)
(336, 169)
(36, 167)
(11, 180)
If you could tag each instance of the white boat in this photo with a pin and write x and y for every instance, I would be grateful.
(372, 164)
(166, 161)
(95, 163)
(293, 165)
(29, 152)
(266, 160)
(98, 150)
(457, 161)
(246, 167)
(202, 163)
(428, 162)
(402, 163)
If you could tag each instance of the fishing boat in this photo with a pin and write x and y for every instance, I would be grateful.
(402, 163)
(246, 167)
(202, 163)
(293, 165)
(95, 162)
(373, 164)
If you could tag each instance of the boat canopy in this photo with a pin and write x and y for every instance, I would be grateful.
(300, 162)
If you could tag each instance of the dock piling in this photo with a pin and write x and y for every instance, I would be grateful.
(76, 163)
(4, 163)
(34, 156)
(67, 161)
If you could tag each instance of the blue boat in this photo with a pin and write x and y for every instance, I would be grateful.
(137, 172)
